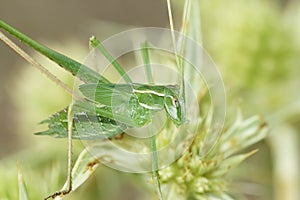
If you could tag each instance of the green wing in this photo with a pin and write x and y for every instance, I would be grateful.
(107, 94)
(121, 101)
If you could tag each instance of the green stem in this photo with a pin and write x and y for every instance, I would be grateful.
(75, 68)
(153, 147)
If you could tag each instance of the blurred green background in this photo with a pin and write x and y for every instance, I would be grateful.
(255, 44)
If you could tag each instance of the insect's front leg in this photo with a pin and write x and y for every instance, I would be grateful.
(139, 115)
(69, 178)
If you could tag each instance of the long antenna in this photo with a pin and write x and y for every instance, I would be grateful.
(185, 24)
(178, 60)
(172, 33)
(186, 12)
(34, 63)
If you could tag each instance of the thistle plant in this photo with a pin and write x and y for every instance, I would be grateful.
(209, 154)
(198, 176)
(259, 41)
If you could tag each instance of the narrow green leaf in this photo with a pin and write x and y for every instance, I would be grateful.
(83, 169)
(243, 134)
(230, 163)
(155, 172)
(22, 186)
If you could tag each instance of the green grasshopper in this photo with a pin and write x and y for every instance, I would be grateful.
(95, 114)
(144, 99)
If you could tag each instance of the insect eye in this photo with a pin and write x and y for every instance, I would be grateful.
(175, 102)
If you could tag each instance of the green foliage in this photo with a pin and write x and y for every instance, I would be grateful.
(256, 50)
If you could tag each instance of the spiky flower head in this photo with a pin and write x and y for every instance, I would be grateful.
(198, 176)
